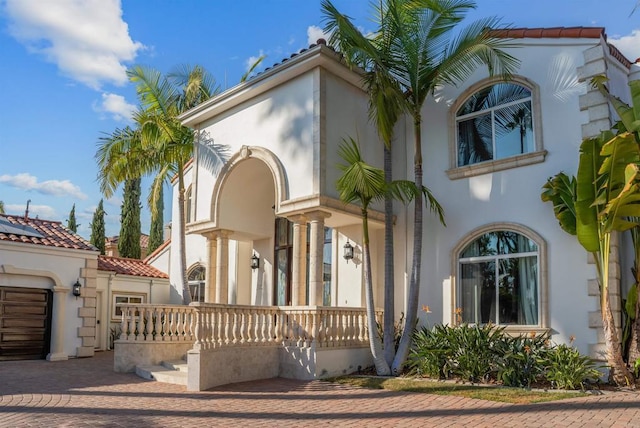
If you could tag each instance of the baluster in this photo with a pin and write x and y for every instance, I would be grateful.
(157, 332)
(313, 336)
(123, 324)
(132, 323)
(148, 324)
(219, 317)
(234, 326)
(259, 332)
(227, 332)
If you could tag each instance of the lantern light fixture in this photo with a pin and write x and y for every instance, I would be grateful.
(76, 288)
(348, 251)
(255, 262)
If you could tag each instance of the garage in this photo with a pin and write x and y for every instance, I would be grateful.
(25, 323)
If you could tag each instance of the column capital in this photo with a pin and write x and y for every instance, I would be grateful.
(298, 219)
(317, 215)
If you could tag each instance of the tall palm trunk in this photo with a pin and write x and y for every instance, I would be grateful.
(619, 371)
(388, 338)
(186, 293)
(414, 284)
(382, 368)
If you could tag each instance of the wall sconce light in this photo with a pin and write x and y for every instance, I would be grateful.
(76, 289)
(255, 262)
(348, 251)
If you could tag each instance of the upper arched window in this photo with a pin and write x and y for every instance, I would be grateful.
(499, 280)
(495, 123)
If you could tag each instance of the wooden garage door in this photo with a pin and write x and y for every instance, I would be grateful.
(25, 323)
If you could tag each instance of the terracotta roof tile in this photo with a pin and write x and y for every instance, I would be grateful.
(133, 267)
(158, 250)
(562, 32)
(51, 233)
(552, 32)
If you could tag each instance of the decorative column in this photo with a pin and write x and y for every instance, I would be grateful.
(57, 328)
(222, 267)
(316, 246)
(212, 258)
(299, 265)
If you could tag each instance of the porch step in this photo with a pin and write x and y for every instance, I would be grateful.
(174, 372)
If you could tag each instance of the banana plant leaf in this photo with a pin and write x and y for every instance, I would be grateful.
(560, 190)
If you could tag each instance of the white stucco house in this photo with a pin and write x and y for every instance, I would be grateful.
(59, 297)
(268, 230)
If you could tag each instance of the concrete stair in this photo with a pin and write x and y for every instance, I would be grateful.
(168, 371)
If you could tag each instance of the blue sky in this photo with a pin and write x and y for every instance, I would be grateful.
(63, 82)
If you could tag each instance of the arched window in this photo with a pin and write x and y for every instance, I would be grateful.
(196, 279)
(499, 280)
(496, 125)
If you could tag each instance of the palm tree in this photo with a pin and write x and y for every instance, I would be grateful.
(424, 52)
(385, 108)
(161, 145)
(364, 183)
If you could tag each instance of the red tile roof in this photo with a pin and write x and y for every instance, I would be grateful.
(51, 233)
(158, 250)
(562, 32)
(133, 267)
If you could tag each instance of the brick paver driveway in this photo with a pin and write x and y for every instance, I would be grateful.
(86, 393)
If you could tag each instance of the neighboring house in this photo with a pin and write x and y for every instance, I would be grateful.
(111, 246)
(488, 147)
(40, 317)
(122, 280)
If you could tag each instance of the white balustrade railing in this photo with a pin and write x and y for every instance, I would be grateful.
(212, 326)
(157, 323)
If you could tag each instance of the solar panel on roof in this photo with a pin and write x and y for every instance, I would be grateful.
(18, 229)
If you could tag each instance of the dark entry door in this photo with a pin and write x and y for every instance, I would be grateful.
(283, 252)
(25, 323)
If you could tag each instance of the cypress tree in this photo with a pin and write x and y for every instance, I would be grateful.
(1, 207)
(156, 237)
(71, 222)
(97, 228)
(129, 240)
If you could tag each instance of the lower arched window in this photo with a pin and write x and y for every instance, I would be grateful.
(499, 280)
(196, 278)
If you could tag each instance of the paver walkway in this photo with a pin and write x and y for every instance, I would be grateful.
(87, 393)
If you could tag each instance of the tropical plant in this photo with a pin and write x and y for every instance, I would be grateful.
(98, 229)
(129, 238)
(422, 53)
(522, 360)
(72, 225)
(630, 123)
(160, 145)
(566, 368)
(600, 201)
(363, 183)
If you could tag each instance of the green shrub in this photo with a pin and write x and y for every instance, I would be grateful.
(428, 356)
(485, 353)
(521, 362)
(566, 368)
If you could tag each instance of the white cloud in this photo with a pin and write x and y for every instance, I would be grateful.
(87, 39)
(252, 59)
(44, 212)
(26, 181)
(629, 45)
(116, 106)
(314, 33)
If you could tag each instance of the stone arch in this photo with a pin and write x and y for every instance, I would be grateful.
(251, 152)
